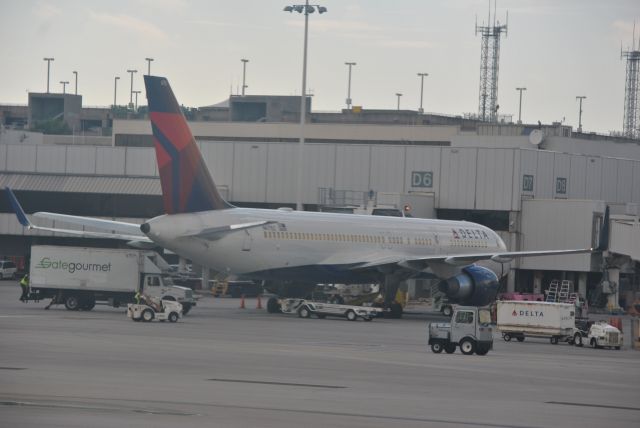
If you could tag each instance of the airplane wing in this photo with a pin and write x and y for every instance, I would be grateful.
(377, 260)
(421, 263)
(122, 231)
(115, 226)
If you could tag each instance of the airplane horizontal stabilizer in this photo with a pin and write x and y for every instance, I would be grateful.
(213, 233)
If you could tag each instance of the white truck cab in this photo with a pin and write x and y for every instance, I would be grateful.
(600, 335)
(470, 329)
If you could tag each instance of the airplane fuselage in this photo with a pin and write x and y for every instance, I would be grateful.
(321, 247)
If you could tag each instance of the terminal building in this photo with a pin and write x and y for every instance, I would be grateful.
(539, 186)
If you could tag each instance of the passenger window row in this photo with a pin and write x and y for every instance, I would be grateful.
(339, 237)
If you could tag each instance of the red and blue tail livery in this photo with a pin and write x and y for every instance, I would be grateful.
(186, 183)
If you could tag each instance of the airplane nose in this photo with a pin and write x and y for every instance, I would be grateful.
(145, 228)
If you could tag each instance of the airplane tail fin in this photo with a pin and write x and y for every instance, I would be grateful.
(186, 183)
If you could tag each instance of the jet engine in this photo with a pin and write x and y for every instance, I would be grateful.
(474, 286)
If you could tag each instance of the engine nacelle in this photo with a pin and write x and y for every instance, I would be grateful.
(475, 286)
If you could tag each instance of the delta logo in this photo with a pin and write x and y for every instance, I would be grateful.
(531, 314)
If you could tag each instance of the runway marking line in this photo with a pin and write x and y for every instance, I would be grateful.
(604, 406)
(307, 385)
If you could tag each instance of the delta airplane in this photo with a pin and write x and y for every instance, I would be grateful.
(296, 246)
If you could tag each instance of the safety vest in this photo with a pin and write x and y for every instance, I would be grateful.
(137, 297)
(25, 281)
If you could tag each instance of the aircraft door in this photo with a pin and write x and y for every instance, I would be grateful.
(247, 241)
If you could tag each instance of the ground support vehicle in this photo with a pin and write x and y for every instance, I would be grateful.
(8, 269)
(162, 311)
(599, 335)
(79, 277)
(306, 308)
(470, 329)
(520, 319)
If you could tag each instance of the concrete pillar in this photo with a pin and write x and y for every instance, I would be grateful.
(511, 281)
(614, 298)
(582, 284)
(206, 275)
(537, 282)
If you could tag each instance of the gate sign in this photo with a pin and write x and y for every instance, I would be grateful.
(561, 185)
(421, 179)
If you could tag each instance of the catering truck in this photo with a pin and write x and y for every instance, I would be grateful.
(79, 277)
(519, 319)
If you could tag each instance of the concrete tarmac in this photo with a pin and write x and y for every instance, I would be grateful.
(222, 366)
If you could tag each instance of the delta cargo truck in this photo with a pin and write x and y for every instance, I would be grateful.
(79, 277)
(519, 319)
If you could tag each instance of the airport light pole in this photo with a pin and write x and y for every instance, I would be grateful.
(306, 9)
(136, 93)
(64, 86)
(349, 64)
(520, 107)
(148, 65)
(580, 98)
(131, 92)
(115, 91)
(76, 75)
(244, 74)
(422, 76)
(398, 94)
(48, 70)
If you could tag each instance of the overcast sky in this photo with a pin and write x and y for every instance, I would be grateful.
(556, 48)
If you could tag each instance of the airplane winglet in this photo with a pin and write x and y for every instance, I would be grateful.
(603, 238)
(17, 209)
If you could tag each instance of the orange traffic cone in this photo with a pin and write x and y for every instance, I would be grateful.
(259, 304)
(242, 302)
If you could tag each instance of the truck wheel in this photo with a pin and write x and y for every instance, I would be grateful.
(436, 347)
(351, 315)
(482, 349)
(303, 312)
(467, 346)
(506, 337)
(87, 303)
(395, 311)
(520, 338)
(173, 317)
(554, 340)
(577, 339)
(147, 315)
(72, 303)
(450, 348)
(447, 311)
(273, 306)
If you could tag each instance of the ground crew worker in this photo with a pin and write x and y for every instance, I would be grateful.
(137, 297)
(24, 284)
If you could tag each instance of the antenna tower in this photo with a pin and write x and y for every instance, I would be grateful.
(489, 64)
(631, 119)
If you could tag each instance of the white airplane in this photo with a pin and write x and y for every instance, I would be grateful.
(296, 246)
